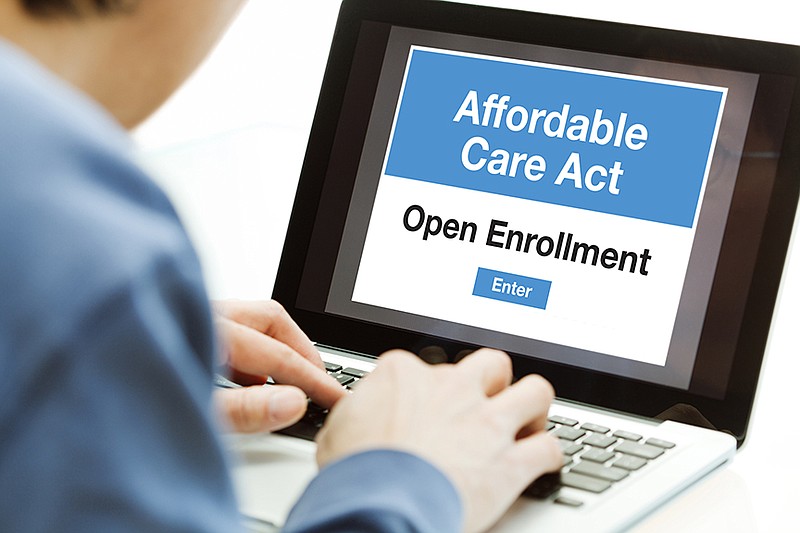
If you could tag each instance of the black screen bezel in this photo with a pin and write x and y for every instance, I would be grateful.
(731, 412)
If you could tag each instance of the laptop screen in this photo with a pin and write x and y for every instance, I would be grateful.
(596, 213)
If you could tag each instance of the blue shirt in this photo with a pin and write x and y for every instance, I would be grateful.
(107, 348)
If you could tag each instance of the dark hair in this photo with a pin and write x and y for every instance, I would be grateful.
(51, 8)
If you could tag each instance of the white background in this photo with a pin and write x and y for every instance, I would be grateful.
(229, 146)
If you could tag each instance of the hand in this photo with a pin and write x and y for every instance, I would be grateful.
(486, 435)
(261, 340)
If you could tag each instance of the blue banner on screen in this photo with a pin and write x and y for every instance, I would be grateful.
(610, 143)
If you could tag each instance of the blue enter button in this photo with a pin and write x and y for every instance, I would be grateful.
(512, 288)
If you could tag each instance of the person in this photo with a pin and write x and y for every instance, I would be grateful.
(108, 342)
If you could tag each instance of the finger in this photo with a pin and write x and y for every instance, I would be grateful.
(255, 409)
(399, 362)
(270, 318)
(524, 404)
(255, 353)
(400, 359)
(394, 363)
(492, 367)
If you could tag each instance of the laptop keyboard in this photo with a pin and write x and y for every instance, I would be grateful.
(596, 457)
(310, 424)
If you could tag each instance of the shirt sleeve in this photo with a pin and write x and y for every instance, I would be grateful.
(378, 491)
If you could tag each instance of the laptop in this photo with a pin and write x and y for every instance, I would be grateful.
(609, 204)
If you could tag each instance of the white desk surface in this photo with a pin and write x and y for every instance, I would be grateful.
(228, 149)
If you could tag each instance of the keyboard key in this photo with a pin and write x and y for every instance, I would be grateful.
(568, 433)
(627, 435)
(660, 443)
(564, 421)
(597, 455)
(599, 441)
(645, 451)
(332, 367)
(595, 428)
(544, 486)
(563, 500)
(355, 372)
(315, 411)
(569, 447)
(344, 379)
(629, 462)
(608, 473)
(588, 483)
(225, 383)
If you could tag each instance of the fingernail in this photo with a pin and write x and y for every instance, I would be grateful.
(286, 404)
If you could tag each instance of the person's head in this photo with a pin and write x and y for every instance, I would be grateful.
(129, 55)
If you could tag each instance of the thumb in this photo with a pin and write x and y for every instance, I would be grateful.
(266, 408)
